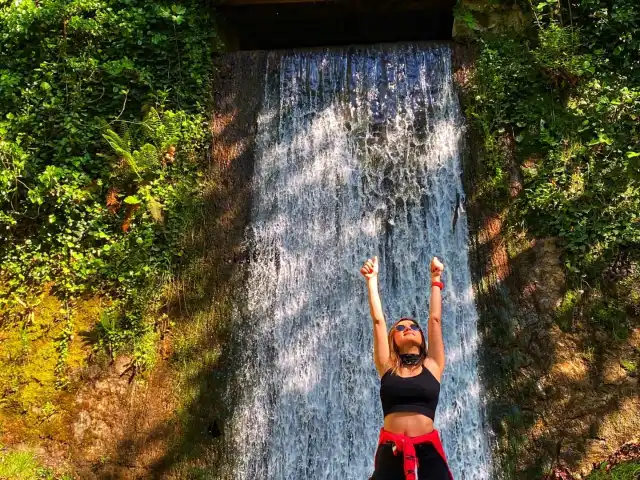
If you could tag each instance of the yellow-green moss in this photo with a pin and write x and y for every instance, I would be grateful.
(32, 399)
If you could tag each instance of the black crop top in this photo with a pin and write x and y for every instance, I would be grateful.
(418, 394)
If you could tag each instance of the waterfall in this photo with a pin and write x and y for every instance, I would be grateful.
(357, 154)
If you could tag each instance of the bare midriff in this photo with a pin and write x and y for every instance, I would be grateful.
(408, 423)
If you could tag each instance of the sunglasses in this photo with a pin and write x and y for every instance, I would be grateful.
(402, 328)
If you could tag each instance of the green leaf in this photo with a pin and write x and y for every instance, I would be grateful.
(155, 208)
(602, 138)
(45, 86)
(132, 200)
(633, 154)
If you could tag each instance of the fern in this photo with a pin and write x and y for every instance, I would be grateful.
(147, 157)
(162, 131)
(116, 143)
(152, 125)
(121, 148)
(129, 134)
(171, 125)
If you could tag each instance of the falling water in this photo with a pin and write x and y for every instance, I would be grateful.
(358, 154)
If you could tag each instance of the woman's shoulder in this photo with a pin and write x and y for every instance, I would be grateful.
(431, 365)
(385, 373)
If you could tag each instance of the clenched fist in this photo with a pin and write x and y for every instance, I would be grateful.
(370, 268)
(437, 267)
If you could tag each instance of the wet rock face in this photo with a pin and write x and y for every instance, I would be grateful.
(555, 397)
(122, 424)
(546, 277)
(100, 415)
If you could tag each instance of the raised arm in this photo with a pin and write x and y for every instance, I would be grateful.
(434, 328)
(380, 342)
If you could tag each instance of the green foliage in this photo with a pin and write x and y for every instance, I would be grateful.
(123, 327)
(63, 350)
(555, 106)
(630, 366)
(465, 16)
(570, 98)
(621, 471)
(565, 312)
(101, 134)
(628, 290)
(568, 101)
(609, 315)
(23, 465)
(111, 336)
(18, 465)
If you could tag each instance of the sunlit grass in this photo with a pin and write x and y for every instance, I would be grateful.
(24, 465)
(17, 465)
(623, 471)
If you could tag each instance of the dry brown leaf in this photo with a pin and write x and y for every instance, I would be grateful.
(113, 204)
(131, 209)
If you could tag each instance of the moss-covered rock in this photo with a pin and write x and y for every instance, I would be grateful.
(42, 356)
(481, 17)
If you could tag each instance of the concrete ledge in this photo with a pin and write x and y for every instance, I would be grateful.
(282, 24)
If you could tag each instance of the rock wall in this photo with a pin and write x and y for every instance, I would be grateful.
(169, 422)
(480, 17)
(555, 397)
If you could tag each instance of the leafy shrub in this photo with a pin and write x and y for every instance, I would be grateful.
(570, 98)
(101, 134)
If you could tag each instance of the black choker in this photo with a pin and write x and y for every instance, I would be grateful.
(409, 358)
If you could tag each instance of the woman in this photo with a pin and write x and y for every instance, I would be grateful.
(409, 446)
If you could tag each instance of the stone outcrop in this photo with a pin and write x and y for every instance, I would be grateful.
(565, 397)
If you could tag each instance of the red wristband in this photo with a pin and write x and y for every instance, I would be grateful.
(438, 284)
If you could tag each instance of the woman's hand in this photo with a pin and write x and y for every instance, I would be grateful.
(370, 268)
(437, 267)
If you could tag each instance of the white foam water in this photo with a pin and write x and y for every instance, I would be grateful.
(358, 154)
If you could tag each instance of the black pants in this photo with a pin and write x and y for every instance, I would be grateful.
(431, 466)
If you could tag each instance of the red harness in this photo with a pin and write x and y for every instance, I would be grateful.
(407, 446)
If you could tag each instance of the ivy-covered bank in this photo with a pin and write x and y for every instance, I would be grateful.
(102, 136)
(553, 102)
(568, 91)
